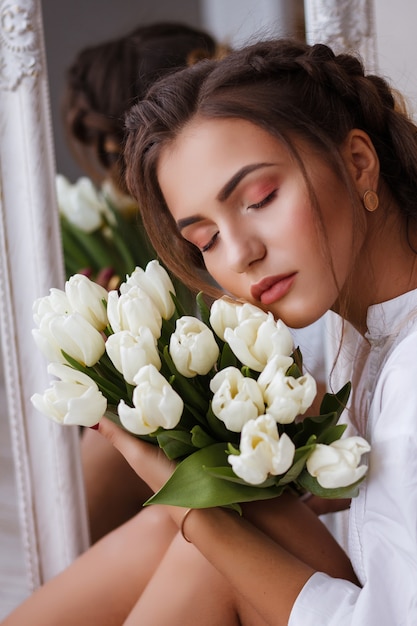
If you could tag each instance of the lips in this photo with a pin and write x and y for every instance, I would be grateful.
(272, 288)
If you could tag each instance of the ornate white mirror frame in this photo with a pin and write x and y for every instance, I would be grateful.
(47, 466)
(46, 456)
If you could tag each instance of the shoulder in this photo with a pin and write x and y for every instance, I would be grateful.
(395, 399)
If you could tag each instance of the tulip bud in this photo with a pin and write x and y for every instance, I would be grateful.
(256, 340)
(155, 404)
(225, 313)
(285, 397)
(262, 451)
(80, 203)
(133, 310)
(87, 297)
(56, 302)
(193, 347)
(156, 283)
(74, 399)
(130, 353)
(237, 398)
(337, 465)
(72, 334)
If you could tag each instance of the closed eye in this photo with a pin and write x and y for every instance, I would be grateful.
(265, 201)
(210, 244)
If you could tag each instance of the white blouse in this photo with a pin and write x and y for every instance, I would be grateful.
(383, 517)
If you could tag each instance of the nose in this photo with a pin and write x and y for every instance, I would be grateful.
(244, 248)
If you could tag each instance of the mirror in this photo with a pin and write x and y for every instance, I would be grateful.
(43, 522)
(42, 510)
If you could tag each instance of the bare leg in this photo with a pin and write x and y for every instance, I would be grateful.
(114, 492)
(104, 583)
(193, 593)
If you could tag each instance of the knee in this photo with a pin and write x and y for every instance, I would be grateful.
(152, 524)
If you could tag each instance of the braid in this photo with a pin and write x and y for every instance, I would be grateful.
(289, 89)
(322, 96)
(105, 80)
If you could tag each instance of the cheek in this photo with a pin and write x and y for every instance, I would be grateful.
(229, 281)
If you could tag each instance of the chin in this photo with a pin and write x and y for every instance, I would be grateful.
(296, 318)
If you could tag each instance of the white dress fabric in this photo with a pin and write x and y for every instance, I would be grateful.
(382, 531)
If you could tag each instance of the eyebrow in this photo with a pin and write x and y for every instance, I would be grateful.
(226, 191)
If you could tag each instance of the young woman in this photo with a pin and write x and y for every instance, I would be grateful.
(290, 177)
(102, 83)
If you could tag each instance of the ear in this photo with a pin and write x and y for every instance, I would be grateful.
(361, 159)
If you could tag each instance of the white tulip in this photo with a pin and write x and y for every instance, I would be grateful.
(74, 399)
(237, 398)
(225, 313)
(133, 310)
(192, 347)
(155, 282)
(129, 353)
(337, 465)
(86, 297)
(80, 203)
(256, 340)
(125, 204)
(262, 451)
(156, 404)
(71, 333)
(285, 397)
(56, 302)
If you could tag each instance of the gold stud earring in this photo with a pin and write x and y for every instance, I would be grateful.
(370, 200)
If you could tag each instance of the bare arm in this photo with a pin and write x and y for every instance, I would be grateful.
(280, 542)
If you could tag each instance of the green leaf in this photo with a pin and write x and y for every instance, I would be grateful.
(219, 430)
(246, 371)
(192, 484)
(310, 426)
(294, 371)
(203, 309)
(232, 450)
(335, 402)
(227, 358)
(300, 457)
(298, 359)
(311, 484)
(332, 434)
(226, 473)
(175, 443)
(199, 437)
(112, 392)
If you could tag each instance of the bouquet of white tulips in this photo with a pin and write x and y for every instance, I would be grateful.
(223, 393)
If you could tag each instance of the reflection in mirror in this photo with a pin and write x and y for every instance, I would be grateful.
(43, 521)
(42, 515)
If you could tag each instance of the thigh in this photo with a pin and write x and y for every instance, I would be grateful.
(187, 590)
(104, 583)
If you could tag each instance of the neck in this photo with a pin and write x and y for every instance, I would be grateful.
(385, 268)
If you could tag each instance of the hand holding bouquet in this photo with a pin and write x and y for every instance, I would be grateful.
(223, 394)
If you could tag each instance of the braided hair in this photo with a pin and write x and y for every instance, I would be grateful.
(288, 88)
(105, 80)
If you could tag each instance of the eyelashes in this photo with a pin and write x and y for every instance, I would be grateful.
(265, 201)
(210, 244)
(258, 205)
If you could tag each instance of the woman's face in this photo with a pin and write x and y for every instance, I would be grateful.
(238, 195)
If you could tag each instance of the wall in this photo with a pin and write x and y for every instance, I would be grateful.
(71, 25)
(397, 45)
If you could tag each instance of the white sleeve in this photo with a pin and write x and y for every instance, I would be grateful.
(384, 518)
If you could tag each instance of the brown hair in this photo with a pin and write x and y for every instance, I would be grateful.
(105, 80)
(287, 88)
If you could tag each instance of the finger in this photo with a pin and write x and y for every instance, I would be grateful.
(148, 461)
